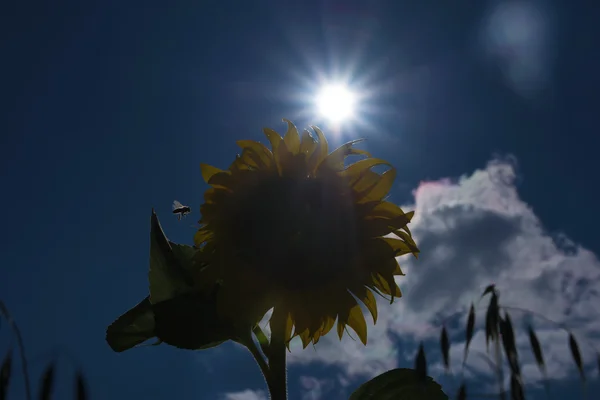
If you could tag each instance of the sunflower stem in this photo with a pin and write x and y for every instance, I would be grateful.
(260, 360)
(277, 380)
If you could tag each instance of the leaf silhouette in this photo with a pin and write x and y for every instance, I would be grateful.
(174, 312)
(462, 392)
(445, 345)
(80, 387)
(490, 289)
(508, 342)
(469, 331)
(47, 383)
(576, 355)
(491, 320)
(516, 388)
(421, 364)
(537, 351)
(5, 372)
(399, 383)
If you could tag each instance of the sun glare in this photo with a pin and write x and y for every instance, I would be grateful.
(336, 103)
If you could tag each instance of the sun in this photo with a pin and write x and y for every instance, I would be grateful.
(336, 103)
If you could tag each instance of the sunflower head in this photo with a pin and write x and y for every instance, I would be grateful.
(293, 228)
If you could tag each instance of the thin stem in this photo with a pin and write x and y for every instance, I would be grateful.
(277, 362)
(260, 360)
(21, 347)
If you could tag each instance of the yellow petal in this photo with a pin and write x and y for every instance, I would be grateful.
(291, 138)
(335, 160)
(408, 239)
(382, 188)
(386, 209)
(283, 159)
(397, 269)
(367, 298)
(375, 227)
(398, 246)
(383, 286)
(281, 317)
(259, 149)
(305, 337)
(252, 159)
(355, 171)
(222, 180)
(316, 337)
(320, 152)
(356, 321)
(273, 137)
(327, 325)
(215, 195)
(208, 171)
(307, 144)
(201, 236)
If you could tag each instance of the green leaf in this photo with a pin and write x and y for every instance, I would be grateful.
(169, 270)
(174, 312)
(262, 339)
(132, 328)
(399, 384)
(190, 321)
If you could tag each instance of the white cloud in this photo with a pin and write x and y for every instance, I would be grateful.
(472, 232)
(245, 395)
(315, 389)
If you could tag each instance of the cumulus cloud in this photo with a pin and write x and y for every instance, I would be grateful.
(245, 395)
(314, 388)
(474, 231)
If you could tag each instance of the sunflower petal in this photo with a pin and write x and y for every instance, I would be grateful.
(367, 298)
(386, 209)
(202, 235)
(335, 160)
(307, 144)
(320, 152)
(384, 286)
(408, 239)
(284, 159)
(356, 321)
(327, 325)
(356, 170)
(273, 137)
(208, 171)
(398, 246)
(265, 155)
(214, 195)
(383, 186)
(250, 158)
(374, 227)
(316, 336)
(397, 269)
(305, 337)
(222, 180)
(291, 138)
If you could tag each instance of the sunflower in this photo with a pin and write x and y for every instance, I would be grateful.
(295, 229)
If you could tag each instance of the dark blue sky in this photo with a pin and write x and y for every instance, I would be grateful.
(108, 108)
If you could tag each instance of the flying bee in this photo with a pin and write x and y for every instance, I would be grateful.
(180, 210)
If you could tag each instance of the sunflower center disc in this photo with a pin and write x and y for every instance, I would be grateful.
(299, 232)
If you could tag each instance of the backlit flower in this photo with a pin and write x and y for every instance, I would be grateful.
(295, 229)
